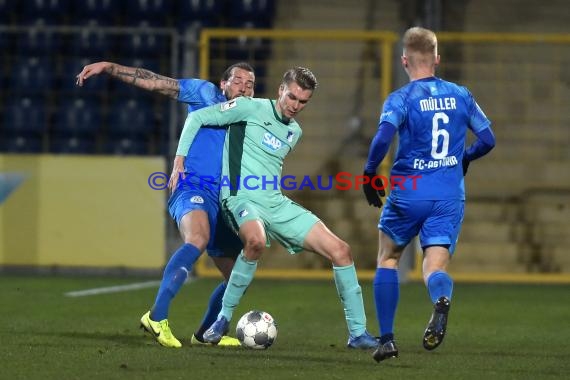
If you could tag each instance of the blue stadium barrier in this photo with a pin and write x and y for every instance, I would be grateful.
(130, 117)
(32, 74)
(126, 146)
(78, 116)
(72, 145)
(25, 114)
(21, 143)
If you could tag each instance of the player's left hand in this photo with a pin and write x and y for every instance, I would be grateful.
(177, 173)
(373, 194)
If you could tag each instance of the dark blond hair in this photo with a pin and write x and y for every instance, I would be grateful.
(420, 47)
(420, 40)
(302, 76)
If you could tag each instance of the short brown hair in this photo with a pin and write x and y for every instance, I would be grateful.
(240, 65)
(302, 76)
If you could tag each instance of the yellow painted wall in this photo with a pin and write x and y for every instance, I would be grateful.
(86, 211)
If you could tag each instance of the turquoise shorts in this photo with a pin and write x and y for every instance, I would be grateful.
(284, 220)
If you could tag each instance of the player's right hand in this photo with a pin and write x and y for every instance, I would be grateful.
(373, 194)
(89, 71)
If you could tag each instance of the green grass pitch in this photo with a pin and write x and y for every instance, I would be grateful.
(494, 332)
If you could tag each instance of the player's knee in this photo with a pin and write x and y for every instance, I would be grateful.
(344, 249)
(197, 240)
(254, 246)
(341, 254)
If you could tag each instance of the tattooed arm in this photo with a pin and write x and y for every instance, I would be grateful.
(138, 77)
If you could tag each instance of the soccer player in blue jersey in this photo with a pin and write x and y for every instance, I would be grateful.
(193, 205)
(427, 196)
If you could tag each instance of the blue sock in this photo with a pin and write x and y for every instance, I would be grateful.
(241, 277)
(439, 284)
(350, 294)
(214, 307)
(175, 273)
(386, 297)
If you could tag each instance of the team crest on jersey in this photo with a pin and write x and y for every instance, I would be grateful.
(243, 213)
(290, 136)
(228, 105)
(197, 199)
(270, 141)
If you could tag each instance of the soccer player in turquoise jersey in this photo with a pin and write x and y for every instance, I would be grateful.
(261, 134)
(195, 208)
(432, 117)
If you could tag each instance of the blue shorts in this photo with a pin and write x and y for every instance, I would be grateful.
(223, 241)
(436, 222)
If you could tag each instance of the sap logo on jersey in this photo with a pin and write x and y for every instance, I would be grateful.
(271, 141)
(197, 199)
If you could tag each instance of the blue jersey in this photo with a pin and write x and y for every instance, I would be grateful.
(204, 160)
(432, 117)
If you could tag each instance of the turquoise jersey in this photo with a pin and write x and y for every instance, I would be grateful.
(257, 142)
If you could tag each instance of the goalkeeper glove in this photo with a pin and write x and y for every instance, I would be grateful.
(373, 195)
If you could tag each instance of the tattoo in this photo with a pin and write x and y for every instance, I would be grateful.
(148, 80)
(136, 74)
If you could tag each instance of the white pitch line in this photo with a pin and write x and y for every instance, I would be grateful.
(120, 288)
(113, 289)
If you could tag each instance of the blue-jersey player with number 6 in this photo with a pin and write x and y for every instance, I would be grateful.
(432, 117)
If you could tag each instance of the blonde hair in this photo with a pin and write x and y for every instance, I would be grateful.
(420, 45)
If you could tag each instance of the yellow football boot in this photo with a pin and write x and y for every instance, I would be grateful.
(160, 331)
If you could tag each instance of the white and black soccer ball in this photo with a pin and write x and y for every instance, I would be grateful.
(256, 329)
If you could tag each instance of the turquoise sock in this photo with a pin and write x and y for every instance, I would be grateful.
(241, 277)
(350, 295)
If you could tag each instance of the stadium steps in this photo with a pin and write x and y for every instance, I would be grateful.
(334, 14)
(489, 257)
(506, 179)
(489, 211)
(482, 230)
(557, 259)
(485, 15)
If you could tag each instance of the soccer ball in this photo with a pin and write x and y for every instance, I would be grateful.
(256, 329)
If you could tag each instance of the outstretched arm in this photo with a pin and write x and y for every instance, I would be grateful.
(221, 115)
(135, 76)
